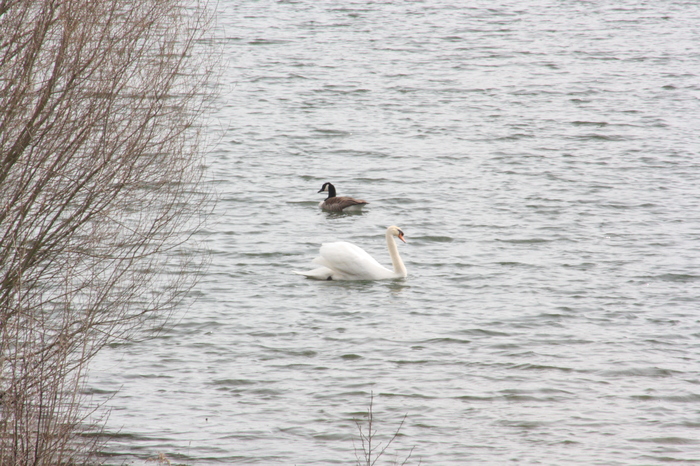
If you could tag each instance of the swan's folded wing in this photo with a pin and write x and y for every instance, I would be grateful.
(349, 260)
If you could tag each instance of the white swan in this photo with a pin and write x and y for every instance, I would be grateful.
(345, 261)
(339, 203)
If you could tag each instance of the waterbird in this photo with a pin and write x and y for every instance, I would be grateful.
(345, 261)
(335, 203)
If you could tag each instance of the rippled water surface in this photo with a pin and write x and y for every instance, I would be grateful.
(541, 158)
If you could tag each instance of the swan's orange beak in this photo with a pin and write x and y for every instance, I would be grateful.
(401, 236)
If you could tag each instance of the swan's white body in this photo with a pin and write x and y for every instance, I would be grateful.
(345, 261)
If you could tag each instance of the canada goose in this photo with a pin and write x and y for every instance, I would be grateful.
(345, 261)
(339, 203)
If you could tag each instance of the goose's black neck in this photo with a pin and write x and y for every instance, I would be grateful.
(331, 191)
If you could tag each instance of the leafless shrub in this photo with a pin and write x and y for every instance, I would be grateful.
(161, 459)
(370, 451)
(100, 191)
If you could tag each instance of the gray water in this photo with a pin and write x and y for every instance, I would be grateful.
(541, 158)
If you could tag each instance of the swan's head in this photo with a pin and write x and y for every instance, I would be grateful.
(396, 231)
(325, 188)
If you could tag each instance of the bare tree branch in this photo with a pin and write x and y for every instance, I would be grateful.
(371, 453)
(100, 193)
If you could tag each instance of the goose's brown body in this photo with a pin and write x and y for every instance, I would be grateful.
(335, 203)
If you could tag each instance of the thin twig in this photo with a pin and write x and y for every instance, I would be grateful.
(371, 454)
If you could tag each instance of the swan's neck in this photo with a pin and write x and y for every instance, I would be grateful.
(399, 268)
(331, 191)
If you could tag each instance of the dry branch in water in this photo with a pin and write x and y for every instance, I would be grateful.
(370, 450)
(100, 191)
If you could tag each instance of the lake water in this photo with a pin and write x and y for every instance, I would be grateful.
(543, 160)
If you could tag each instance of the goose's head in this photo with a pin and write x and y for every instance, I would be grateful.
(326, 188)
(396, 231)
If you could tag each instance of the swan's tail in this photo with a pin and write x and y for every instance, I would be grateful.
(321, 273)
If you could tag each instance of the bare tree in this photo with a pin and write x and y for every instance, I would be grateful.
(370, 449)
(100, 191)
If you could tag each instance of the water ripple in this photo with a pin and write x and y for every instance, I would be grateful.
(542, 161)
